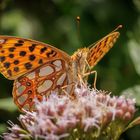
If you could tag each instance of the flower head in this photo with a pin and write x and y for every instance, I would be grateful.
(89, 116)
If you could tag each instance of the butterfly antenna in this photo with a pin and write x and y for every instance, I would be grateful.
(118, 27)
(78, 26)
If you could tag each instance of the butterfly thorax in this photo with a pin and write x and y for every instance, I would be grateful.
(79, 62)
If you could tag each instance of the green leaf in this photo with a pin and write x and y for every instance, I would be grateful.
(2, 128)
(7, 104)
(133, 92)
(134, 51)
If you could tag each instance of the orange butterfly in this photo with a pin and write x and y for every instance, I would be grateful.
(39, 68)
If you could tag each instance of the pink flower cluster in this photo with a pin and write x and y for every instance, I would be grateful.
(87, 116)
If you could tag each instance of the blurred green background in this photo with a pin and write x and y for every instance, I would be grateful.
(54, 22)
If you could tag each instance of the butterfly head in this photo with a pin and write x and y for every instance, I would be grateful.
(80, 55)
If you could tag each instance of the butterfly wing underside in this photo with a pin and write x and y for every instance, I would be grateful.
(40, 83)
(99, 49)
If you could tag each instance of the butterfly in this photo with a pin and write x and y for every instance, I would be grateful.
(38, 68)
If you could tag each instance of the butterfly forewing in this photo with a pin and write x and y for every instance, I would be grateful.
(19, 56)
(99, 49)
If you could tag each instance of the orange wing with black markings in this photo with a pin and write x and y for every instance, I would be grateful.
(99, 49)
(19, 56)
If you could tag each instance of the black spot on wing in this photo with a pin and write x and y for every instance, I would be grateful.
(32, 57)
(32, 47)
(22, 53)
(9, 72)
(40, 61)
(6, 65)
(16, 69)
(2, 58)
(20, 41)
(16, 62)
(11, 55)
(12, 49)
(52, 53)
(28, 65)
(42, 50)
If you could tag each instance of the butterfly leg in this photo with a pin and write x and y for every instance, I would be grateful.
(71, 85)
(95, 77)
(82, 81)
(91, 72)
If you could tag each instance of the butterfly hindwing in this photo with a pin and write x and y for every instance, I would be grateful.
(40, 83)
